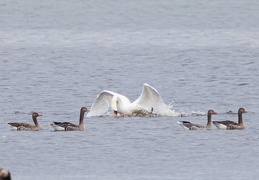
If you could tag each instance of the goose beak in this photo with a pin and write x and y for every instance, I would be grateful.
(39, 114)
(215, 112)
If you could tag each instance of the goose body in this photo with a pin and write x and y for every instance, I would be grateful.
(4, 175)
(194, 126)
(26, 126)
(231, 125)
(148, 102)
(67, 126)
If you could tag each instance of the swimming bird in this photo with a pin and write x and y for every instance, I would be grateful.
(193, 126)
(28, 127)
(4, 175)
(230, 125)
(67, 126)
(148, 102)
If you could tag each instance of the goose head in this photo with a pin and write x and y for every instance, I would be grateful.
(212, 112)
(84, 109)
(242, 110)
(35, 114)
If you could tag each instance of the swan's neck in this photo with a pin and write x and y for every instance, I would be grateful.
(81, 118)
(34, 118)
(114, 103)
(121, 104)
(240, 119)
(209, 120)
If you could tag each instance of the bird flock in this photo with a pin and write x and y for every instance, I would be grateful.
(187, 125)
(145, 106)
(225, 125)
(148, 104)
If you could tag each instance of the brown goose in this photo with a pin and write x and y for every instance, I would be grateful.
(67, 126)
(230, 125)
(4, 175)
(27, 127)
(193, 126)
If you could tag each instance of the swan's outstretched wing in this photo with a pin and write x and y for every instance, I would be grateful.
(101, 104)
(150, 100)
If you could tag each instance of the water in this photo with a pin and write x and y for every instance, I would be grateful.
(57, 56)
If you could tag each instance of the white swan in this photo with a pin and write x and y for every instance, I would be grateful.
(149, 102)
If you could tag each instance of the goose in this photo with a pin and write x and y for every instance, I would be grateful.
(67, 126)
(193, 126)
(4, 175)
(230, 125)
(28, 127)
(149, 102)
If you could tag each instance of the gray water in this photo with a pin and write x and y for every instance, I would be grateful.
(57, 56)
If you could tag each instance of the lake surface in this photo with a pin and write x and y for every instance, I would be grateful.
(58, 56)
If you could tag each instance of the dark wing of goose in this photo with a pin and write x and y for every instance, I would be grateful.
(71, 127)
(61, 123)
(187, 124)
(226, 123)
(197, 126)
(66, 124)
(20, 124)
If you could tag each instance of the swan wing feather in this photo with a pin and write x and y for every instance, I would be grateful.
(151, 99)
(102, 103)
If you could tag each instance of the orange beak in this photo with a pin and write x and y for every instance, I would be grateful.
(115, 113)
